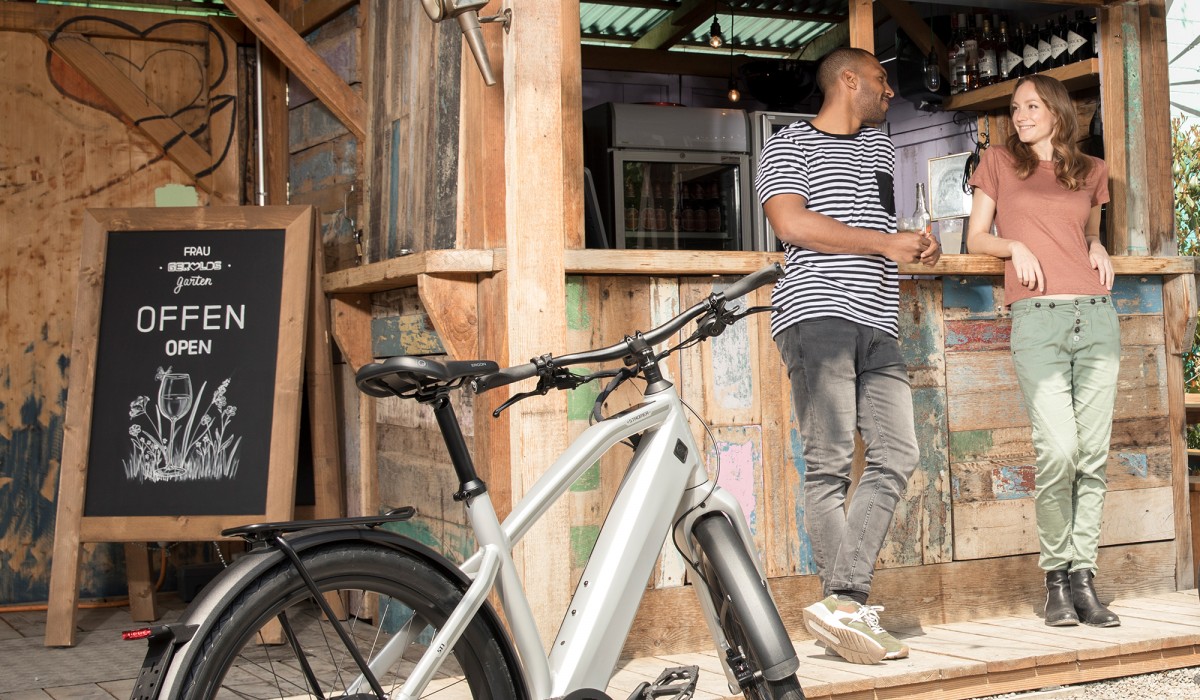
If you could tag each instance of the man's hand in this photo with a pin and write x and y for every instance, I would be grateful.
(932, 252)
(906, 246)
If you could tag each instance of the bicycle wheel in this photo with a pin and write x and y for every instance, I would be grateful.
(758, 688)
(385, 592)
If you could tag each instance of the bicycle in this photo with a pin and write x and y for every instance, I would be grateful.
(408, 621)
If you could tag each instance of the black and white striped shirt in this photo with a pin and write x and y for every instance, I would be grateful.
(849, 178)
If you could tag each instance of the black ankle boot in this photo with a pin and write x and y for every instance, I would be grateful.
(1083, 595)
(1059, 610)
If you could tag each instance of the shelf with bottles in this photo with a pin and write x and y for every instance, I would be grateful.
(1075, 76)
(985, 59)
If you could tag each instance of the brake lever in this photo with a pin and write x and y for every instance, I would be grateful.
(520, 396)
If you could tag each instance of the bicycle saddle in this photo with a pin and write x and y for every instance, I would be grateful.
(408, 376)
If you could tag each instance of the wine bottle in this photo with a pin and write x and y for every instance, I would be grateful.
(1029, 51)
(989, 68)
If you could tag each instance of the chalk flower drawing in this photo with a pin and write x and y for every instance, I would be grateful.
(184, 439)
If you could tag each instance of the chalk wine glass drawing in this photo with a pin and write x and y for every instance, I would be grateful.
(202, 448)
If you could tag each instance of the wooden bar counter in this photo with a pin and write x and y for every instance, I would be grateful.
(963, 543)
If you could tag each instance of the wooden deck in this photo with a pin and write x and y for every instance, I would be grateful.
(984, 657)
(951, 661)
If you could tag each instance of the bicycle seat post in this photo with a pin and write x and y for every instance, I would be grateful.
(469, 484)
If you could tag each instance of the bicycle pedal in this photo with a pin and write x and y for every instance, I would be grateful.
(677, 683)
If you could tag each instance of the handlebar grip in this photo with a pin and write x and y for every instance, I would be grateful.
(754, 280)
(504, 377)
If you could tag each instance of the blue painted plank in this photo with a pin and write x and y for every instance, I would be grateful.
(974, 294)
(1138, 295)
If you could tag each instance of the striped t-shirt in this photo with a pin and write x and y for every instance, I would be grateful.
(849, 178)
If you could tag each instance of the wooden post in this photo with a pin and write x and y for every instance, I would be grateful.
(1179, 316)
(543, 180)
(1154, 143)
(862, 25)
(1113, 26)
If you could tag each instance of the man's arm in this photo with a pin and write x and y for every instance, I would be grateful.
(794, 223)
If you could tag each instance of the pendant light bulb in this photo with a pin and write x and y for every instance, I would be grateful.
(734, 95)
(715, 38)
(933, 76)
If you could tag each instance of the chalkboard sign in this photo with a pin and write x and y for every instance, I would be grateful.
(184, 403)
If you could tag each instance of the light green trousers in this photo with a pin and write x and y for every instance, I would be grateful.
(1066, 353)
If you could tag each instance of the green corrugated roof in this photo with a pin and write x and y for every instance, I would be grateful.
(777, 27)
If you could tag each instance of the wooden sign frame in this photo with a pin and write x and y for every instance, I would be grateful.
(298, 289)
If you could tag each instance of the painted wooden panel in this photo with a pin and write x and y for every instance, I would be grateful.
(967, 297)
(920, 532)
(719, 375)
(921, 333)
(411, 334)
(1001, 480)
(1138, 295)
(1132, 435)
(1008, 527)
(65, 148)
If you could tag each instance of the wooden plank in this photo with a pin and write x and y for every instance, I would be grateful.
(1076, 76)
(1151, 110)
(97, 22)
(676, 25)
(304, 63)
(322, 405)
(224, 149)
(402, 271)
(918, 32)
(862, 24)
(1117, 30)
(999, 480)
(1179, 297)
(309, 15)
(1006, 527)
(143, 602)
(136, 106)
(451, 302)
(836, 36)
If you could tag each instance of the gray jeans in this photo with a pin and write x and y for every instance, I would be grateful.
(847, 376)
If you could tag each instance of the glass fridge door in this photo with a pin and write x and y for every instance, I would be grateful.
(680, 200)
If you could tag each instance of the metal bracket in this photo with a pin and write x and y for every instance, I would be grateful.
(505, 18)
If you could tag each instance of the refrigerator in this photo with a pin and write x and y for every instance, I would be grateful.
(764, 125)
(669, 177)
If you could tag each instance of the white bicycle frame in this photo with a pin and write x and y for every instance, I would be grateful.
(664, 484)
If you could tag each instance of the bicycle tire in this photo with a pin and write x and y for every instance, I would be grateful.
(758, 688)
(230, 661)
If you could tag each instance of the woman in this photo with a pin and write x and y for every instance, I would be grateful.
(1045, 197)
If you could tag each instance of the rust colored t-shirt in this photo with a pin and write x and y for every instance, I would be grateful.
(1047, 218)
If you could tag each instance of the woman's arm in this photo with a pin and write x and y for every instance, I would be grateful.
(981, 241)
(1097, 254)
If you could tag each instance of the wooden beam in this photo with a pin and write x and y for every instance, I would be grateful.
(452, 304)
(678, 24)
(862, 24)
(110, 24)
(618, 58)
(1179, 319)
(304, 63)
(917, 30)
(306, 16)
(541, 65)
(225, 151)
(138, 108)
(1156, 129)
(1113, 22)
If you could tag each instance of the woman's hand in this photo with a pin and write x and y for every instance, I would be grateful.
(1101, 263)
(1029, 270)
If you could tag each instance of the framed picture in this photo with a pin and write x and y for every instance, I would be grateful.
(949, 198)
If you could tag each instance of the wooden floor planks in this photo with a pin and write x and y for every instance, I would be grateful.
(988, 656)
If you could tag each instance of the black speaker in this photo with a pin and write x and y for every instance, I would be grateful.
(910, 68)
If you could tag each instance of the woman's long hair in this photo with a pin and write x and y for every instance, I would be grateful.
(1071, 165)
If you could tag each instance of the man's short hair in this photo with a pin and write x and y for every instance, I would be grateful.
(838, 60)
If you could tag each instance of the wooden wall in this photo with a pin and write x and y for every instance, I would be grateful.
(963, 542)
(65, 147)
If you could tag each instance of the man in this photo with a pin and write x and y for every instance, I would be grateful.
(826, 188)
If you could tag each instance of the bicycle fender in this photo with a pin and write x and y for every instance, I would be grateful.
(735, 566)
(246, 569)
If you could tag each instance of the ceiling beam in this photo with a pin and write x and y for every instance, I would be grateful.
(678, 24)
(304, 63)
(835, 37)
(918, 31)
(617, 58)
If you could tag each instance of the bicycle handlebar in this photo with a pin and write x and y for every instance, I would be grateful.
(737, 290)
